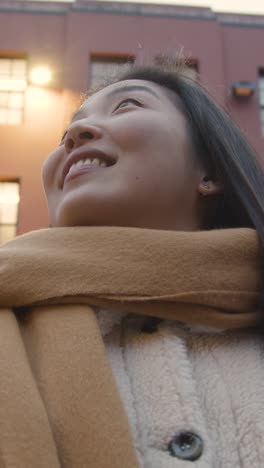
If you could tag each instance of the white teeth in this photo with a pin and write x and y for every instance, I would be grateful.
(87, 162)
(71, 169)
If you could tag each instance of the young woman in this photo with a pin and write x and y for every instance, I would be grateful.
(155, 202)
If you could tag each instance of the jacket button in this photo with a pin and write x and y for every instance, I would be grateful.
(186, 446)
(151, 325)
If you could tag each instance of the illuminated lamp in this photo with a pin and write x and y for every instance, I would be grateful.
(40, 76)
(243, 89)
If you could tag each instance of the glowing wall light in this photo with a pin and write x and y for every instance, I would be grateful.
(40, 76)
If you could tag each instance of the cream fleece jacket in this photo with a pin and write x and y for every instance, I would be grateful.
(181, 379)
(185, 402)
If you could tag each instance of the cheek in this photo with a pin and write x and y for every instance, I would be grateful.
(133, 132)
(151, 135)
(157, 149)
(159, 167)
(49, 170)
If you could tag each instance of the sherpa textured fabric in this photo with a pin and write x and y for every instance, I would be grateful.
(176, 380)
(59, 400)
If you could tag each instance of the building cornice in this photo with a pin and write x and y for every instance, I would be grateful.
(20, 6)
(137, 9)
(144, 9)
(252, 21)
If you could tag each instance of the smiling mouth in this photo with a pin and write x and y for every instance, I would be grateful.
(85, 160)
(84, 169)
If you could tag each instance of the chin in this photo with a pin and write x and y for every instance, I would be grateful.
(72, 218)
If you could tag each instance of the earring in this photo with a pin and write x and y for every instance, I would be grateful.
(207, 188)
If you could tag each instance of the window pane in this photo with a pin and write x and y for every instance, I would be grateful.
(3, 116)
(9, 199)
(16, 100)
(11, 102)
(261, 96)
(7, 233)
(102, 67)
(192, 73)
(262, 120)
(261, 99)
(3, 99)
(15, 116)
(8, 213)
(190, 66)
(5, 67)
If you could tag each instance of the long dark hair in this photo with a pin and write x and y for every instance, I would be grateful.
(218, 144)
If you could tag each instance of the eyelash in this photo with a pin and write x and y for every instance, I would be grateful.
(124, 100)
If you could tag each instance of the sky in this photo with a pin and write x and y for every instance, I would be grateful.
(254, 7)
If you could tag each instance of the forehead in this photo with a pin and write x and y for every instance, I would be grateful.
(150, 89)
(126, 85)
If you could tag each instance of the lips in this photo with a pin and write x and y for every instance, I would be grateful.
(84, 153)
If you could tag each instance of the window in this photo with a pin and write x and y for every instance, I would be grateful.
(192, 66)
(13, 75)
(261, 99)
(9, 200)
(104, 66)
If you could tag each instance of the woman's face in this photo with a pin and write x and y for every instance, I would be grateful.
(153, 182)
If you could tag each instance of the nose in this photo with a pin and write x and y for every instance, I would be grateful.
(78, 134)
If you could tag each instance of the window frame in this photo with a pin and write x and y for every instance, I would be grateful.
(9, 93)
(106, 58)
(15, 224)
(190, 62)
(261, 103)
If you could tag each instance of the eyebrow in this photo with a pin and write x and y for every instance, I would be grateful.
(133, 88)
(122, 90)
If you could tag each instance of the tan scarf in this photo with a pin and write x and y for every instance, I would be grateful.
(207, 277)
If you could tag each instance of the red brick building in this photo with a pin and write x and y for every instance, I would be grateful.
(77, 41)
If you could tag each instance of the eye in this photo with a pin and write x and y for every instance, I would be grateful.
(127, 101)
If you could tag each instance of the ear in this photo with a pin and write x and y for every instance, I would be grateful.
(209, 185)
